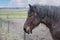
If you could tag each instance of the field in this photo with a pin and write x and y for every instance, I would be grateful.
(12, 13)
(10, 22)
(11, 26)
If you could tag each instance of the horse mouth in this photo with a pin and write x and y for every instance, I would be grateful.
(28, 31)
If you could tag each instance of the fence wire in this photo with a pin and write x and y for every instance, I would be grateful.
(12, 29)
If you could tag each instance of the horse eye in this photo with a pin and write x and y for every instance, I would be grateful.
(30, 15)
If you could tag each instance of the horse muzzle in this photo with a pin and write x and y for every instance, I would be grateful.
(27, 30)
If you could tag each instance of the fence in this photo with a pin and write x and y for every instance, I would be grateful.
(12, 29)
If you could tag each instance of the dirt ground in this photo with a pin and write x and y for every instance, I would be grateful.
(14, 27)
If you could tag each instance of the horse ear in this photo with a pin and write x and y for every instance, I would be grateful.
(31, 7)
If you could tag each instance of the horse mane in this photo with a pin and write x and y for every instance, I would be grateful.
(50, 11)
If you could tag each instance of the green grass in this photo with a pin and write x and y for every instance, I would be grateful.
(13, 13)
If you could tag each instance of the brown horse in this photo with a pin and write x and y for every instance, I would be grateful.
(48, 15)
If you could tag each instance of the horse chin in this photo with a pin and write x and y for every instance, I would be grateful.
(30, 32)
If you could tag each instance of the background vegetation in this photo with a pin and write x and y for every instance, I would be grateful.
(13, 13)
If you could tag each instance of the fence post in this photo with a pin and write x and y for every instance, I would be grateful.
(8, 23)
(0, 30)
(24, 36)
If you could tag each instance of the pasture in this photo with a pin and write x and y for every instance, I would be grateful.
(11, 26)
(12, 13)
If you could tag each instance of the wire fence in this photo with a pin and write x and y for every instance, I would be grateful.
(12, 29)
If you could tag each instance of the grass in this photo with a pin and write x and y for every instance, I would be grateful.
(13, 13)
(4, 35)
(10, 13)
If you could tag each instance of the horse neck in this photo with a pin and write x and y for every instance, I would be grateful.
(47, 21)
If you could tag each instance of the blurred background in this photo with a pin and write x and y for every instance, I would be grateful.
(13, 14)
(24, 3)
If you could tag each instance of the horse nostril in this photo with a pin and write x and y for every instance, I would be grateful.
(24, 29)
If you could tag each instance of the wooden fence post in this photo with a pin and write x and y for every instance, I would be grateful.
(8, 23)
(24, 36)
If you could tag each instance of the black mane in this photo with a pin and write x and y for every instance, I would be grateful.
(51, 11)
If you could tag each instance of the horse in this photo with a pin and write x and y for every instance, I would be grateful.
(48, 15)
